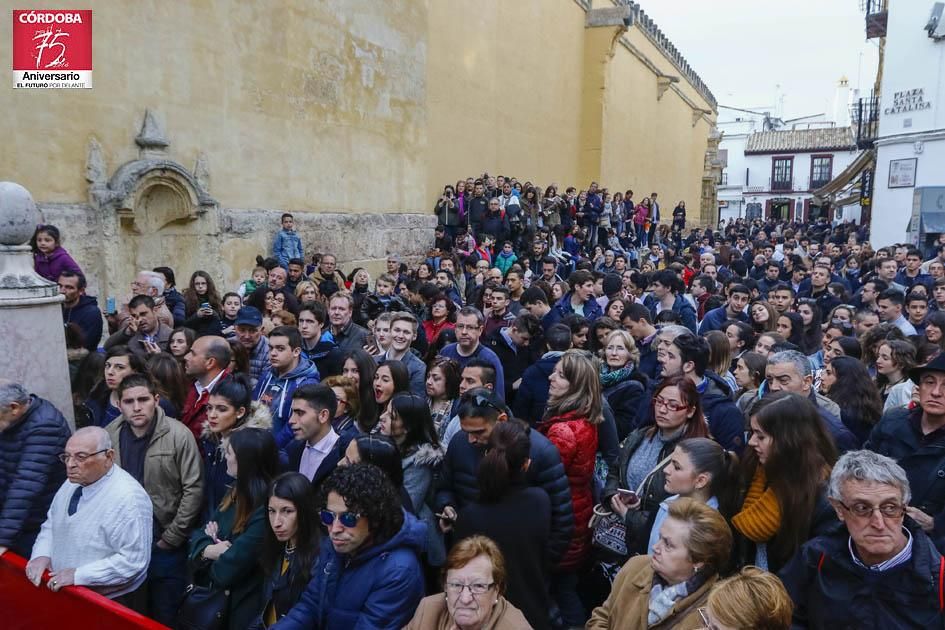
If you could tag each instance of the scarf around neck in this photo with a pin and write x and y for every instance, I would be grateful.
(609, 376)
(664, 597)
(760, 517)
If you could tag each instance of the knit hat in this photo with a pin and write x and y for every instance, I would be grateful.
(612, 284)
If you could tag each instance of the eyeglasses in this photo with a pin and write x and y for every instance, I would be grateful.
(865, 510)
(79, 457)
(476, 590)
(669, 404)
(704, 615)
(348, 519)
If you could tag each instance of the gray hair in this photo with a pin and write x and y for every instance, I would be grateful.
(102, 438)
(12, 392)
(154, 280)
(870, 467)
(671, 331)
(801, 363)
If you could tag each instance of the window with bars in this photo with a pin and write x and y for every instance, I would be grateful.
(821, 170)
(782, 173)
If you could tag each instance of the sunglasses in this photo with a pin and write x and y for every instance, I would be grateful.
(348, 519)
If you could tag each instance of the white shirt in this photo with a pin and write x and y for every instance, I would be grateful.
(314, 454)
(201, 389)
(108, 539)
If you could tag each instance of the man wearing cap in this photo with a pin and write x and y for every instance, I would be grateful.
(249, 333)
(915, 438)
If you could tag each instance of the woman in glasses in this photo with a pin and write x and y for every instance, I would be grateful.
(290, 547)
(516, 516)
(474, 587)
(637, 485)
(224, 554)
(784, 474)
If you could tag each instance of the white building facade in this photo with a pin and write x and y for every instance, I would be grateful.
(772, 174)
(909, 182)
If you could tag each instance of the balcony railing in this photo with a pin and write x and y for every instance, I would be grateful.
(864, 117)
(877, 17)
(723, 179)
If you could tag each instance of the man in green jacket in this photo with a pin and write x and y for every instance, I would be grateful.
(162, 455)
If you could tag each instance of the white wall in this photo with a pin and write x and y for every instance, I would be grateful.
(912, 61)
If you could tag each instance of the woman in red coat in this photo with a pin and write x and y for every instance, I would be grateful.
(571, 419)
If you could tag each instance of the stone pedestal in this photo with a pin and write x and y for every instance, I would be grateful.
(32, 339)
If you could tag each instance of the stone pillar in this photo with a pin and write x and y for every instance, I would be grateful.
(31, 334)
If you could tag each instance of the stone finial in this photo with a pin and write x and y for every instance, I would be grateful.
(18, 214)
(95, 171)
(151, 138)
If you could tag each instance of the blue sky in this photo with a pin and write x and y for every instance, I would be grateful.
(744, 49)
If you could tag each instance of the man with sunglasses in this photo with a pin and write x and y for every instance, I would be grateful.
(878, 570)
(32, 435)
(479, 411)
(369, 573)
(99, 527)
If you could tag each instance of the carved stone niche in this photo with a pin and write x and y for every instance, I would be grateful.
(152, 192)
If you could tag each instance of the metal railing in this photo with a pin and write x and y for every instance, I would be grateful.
(864, 117)
(877, 17)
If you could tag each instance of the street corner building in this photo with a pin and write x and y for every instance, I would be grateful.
(207, 121)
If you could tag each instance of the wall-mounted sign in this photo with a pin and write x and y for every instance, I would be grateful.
(908, 101)
(902, 173)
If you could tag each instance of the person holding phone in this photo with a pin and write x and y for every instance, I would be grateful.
(144, 334)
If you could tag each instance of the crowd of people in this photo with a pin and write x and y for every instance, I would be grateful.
(572, 411)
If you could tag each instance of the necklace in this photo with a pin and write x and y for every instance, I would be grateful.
(289, 549)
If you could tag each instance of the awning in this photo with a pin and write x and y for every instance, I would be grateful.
(864, 161)
(846, 201)
(933, 223)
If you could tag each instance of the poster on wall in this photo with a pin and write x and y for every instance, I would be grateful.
(902, 173)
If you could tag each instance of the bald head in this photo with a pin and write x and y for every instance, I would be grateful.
(89, 455)
(207, 357)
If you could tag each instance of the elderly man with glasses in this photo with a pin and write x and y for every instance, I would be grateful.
(99, 527)
(879, 570)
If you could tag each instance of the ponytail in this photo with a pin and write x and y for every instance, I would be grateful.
(504, 462)
(707, 456)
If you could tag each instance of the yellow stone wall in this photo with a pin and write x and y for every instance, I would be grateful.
(524, 88)
(354, 108)
(297, 105)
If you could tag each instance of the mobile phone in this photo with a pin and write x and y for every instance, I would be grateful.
(371, 340)
(628, 494)
(110, 307)
(205, 305)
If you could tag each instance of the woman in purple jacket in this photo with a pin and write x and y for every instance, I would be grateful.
(49, 258)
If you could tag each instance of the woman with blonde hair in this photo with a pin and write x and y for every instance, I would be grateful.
(622, 383)
(571, 418)
(474, 581)
(307, 291)
(349, 405)
(720, 357)
(667, 588)
(751, 599)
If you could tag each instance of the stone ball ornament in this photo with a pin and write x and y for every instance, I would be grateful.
(18, 214)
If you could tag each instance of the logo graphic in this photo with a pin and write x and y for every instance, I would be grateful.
(52, 48)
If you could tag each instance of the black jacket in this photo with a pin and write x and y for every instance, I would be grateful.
(30, 473)
(520, 524)
(459, 486)
(295, 448)
(897, 435)
(624, 398)
(638, 522)
(532, 396)
(830, 591)
(87, 316)
(514, 362)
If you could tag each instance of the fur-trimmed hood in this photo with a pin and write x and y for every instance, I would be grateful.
(258, 417)
(425, 455)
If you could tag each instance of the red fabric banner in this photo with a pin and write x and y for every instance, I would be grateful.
(25, 606)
